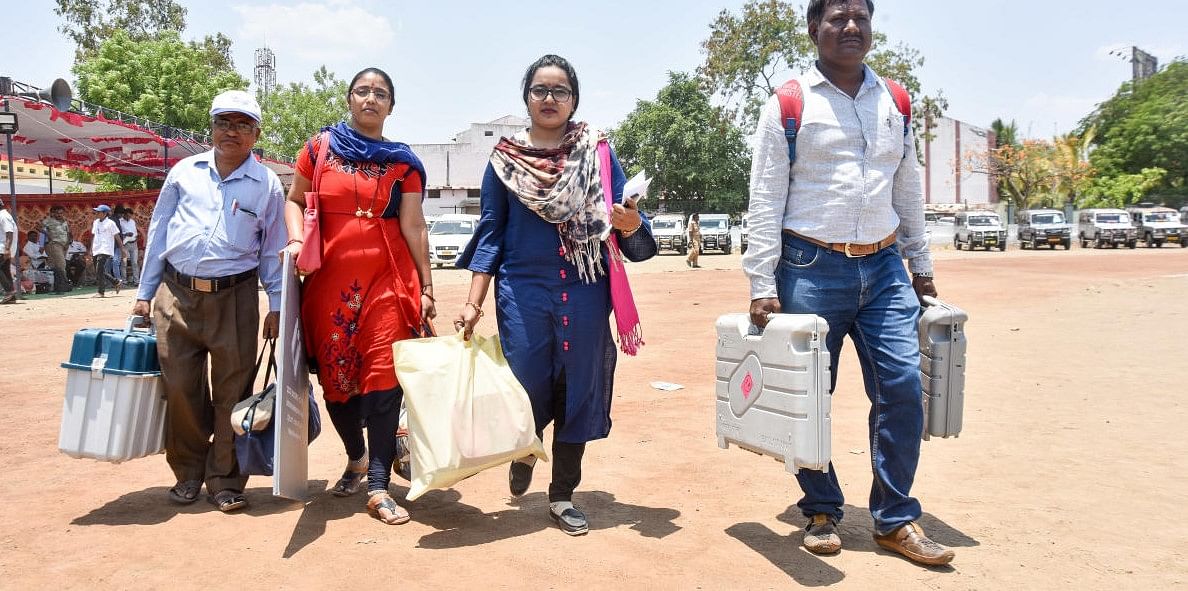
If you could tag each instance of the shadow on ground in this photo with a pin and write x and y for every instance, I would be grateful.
(152, 506)
(460, 525)
(786, 552)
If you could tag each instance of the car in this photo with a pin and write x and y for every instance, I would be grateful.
(1040, 227)
(669, 231)
(979, 229)
(744, 234)
(715, 232)
(1105, 227)
(931, 218)
(449, 237)
(1157, 225)
(945, 220)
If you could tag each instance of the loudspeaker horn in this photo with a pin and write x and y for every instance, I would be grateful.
(58, 95)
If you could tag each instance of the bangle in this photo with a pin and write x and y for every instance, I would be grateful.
(477, 309)
(426, 286)
(628, 233)
(431, 298)
(294, 241)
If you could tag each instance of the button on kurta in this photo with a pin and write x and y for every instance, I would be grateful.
(565, 296)
(565, 321)
(563, 273)
(565, 345)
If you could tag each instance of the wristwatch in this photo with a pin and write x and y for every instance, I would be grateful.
(927, 275)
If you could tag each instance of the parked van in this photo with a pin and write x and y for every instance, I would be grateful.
(449, 237)
(1156, 225)
(669, 231)
(1105, 227)
(715, 232)
(1038, 227)
(979, 229)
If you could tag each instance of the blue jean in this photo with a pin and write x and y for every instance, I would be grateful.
(871, 300)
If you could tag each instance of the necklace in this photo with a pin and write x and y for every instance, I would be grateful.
(359, 213)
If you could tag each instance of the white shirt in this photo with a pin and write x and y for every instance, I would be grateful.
(128, 227)
(35, 253)
(103, 236)
(76, 247)
(856, 177)
(7, 224)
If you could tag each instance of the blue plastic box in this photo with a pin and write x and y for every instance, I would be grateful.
(114, 408)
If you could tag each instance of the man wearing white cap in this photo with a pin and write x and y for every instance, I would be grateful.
(104, 244)
(216, 229)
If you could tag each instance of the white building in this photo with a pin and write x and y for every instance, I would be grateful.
(455, 169)
(947, 178)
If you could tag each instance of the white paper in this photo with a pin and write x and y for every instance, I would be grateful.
(637, 187)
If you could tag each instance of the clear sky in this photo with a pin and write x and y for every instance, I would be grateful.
(1044, 63)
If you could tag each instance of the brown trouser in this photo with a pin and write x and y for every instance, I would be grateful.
(190, 327)
(56, 251)
(694, 250)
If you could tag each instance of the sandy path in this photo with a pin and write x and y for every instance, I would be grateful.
(1070, 471)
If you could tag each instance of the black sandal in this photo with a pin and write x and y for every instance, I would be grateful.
(228, 500)
(185, 492)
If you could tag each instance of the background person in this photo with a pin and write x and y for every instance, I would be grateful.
(105, 244)
(8, 253)
(540, 239)
(129, 234)
(374, 286)
(694, 234)
(215, 234)
(826, 245)
(57, 241)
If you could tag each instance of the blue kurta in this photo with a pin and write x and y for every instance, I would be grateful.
(554, 328)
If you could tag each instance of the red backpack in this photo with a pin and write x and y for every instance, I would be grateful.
(792, 106)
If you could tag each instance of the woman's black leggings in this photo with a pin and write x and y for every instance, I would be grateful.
(381, 416)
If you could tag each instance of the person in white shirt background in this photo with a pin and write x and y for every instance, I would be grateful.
(129, 234)
(8, 252)
(103, 248)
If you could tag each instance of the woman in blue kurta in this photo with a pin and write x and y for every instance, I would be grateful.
(541, 238)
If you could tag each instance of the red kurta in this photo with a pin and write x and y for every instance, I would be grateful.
(366, 296)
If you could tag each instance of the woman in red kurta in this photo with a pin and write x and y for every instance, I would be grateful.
(374, 285)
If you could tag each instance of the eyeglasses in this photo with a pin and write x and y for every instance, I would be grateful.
(560, 93)
(229, 125)
(362, 92)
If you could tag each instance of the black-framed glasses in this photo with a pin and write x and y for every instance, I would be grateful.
(560, 93)
(229, 125)
(361, 93)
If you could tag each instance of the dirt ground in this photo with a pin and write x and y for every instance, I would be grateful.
(1070, 472)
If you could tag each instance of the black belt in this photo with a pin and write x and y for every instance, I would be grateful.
(208, 284)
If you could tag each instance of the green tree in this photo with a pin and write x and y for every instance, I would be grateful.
(1121, 190)
(1144, 127)
(162, 79)
(748, 56)
(90, 22)
(295, 112)
(1005, 134)
(696, 157)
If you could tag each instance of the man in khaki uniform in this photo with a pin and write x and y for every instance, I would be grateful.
(694, 234)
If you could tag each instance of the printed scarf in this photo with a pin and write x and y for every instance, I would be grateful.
(563, 187)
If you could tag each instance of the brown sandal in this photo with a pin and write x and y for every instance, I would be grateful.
(380, 502)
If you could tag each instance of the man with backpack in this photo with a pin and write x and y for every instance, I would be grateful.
(835, 187)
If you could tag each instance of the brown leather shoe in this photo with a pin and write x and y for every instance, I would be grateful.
(910, 541)
(820, 535)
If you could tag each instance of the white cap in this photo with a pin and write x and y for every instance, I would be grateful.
(235, 101)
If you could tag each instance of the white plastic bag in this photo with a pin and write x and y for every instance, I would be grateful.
(466, 410)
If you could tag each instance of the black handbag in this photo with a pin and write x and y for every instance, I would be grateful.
(255, 450)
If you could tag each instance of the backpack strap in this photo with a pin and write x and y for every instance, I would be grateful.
(791, 107)
(903, 101)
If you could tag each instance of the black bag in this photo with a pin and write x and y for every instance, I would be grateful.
(255, 450)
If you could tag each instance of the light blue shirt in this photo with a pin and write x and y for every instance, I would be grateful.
(206, 226)
(856, 177)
